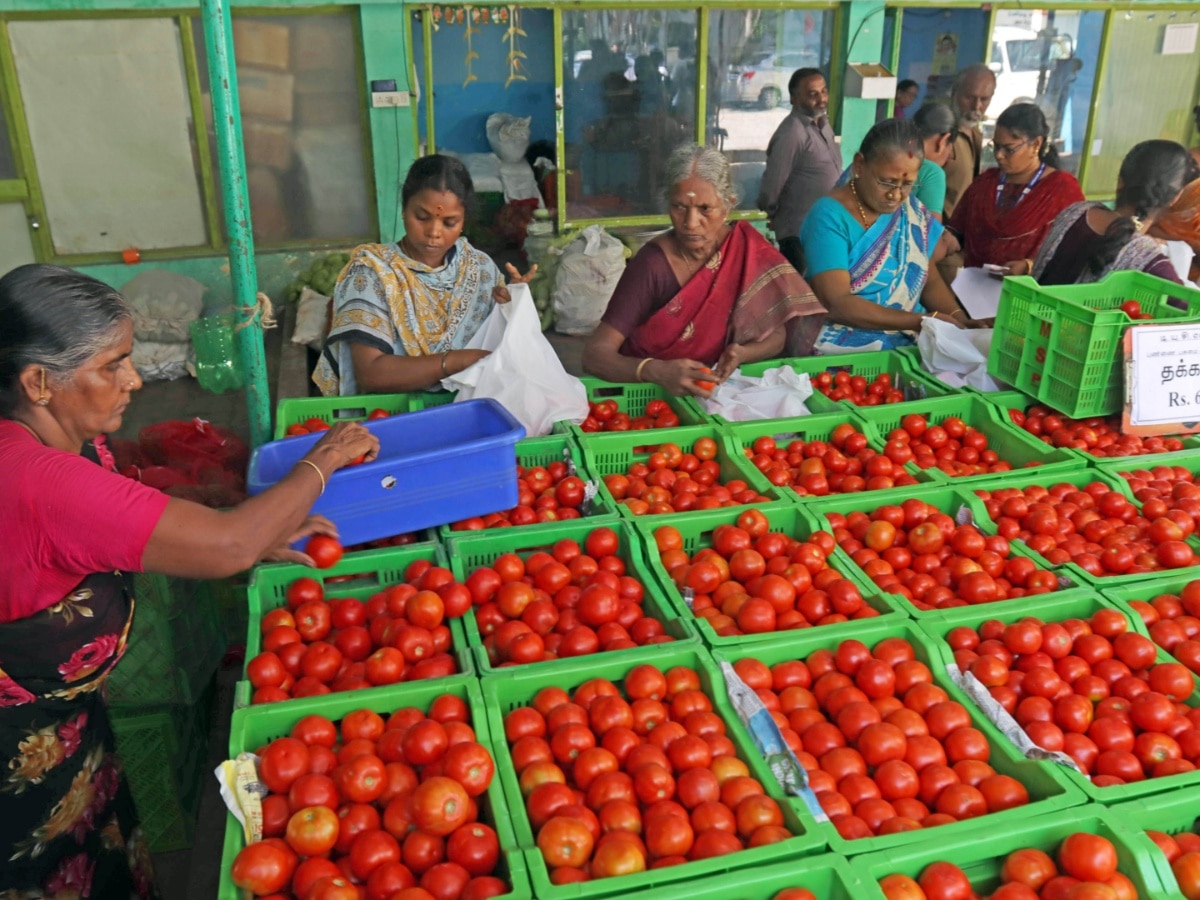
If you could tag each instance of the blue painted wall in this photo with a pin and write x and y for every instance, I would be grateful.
(461, 112)
(919, 30)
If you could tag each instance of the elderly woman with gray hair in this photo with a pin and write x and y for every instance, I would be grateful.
(70, 527)
(705, 296)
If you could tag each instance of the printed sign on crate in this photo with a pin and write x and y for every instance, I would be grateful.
(1162, 380)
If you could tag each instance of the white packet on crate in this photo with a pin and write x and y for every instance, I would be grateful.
(778, 393)
(769, 741)
(1000, 717)
(242, 793)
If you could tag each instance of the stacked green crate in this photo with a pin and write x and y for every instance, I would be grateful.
(1048, 790)
(918, 386)
(1056, 608)
(517, 688)
(1078, 478)
(164, 753)
(742, 435)
(958, 503)
(1014, 446)
(612, 453)
(331, 410)
(981, 854)
(1171, 813)
(697, 530)
(358, 577)
(542, 451)
(253, 728)
(469, 551)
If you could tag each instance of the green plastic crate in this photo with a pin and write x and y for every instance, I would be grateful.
(697, 534)
(1062, 344)
(1165, 583)
(1048, 790)
(981, 855)
(632, 399)
(164, 752)
(612, 453)
(171, 614)
(1078, 478)
(741, 435)
(1172, 812)
(1010, 400)
(431, 399)
(949, 499)
(480, 548)
(828, 876)
(869, 364)
(1056, 608)
(501, 695)
(541, 451)
(1012, 445)
(376, 570)
(251, 728)
(1187, 459)
(338, 409)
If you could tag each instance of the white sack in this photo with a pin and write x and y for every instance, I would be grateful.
(778, 394)
(588, 272)
(312, 318)
(157, 361)
(163, 305)
(522, 372)
(956, 355)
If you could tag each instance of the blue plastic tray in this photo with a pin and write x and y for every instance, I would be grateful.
(435, 466)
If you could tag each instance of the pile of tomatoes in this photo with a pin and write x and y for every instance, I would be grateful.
(372, 807)
(314, 425)
(1086, 868)
(919, 552)
(1163, 489)
(1173, 621)
(855, 388)
(606, 415)
(1092, 689)
(547, 493)
(1095, 527)
(618, 780)
(572, 601)
(953, 446)
(1182, 851)
(753, 580)
(1097, 436)
(316, 645)
(671, 481)
(885, 749)
(843, 465)
(1133, 309)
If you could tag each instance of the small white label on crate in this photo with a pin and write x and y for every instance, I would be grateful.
(1162, 379)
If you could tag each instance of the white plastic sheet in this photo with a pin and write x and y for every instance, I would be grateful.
(957, 356)
(778, 394)
(522, 372)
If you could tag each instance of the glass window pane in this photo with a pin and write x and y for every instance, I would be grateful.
(629, 98)
(298, 84)
(936, 42)
(752, 55)
(8, 163)
(16, 245)
(1138, 102)
(106, 105)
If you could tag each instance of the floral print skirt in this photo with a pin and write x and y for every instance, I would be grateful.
(68, 827)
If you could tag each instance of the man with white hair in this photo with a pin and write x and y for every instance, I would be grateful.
(970, 98)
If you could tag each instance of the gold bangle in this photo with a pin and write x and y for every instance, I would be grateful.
(638, 372)
(934, 314)
(317, 469)
(1028, 266)
(445, 374)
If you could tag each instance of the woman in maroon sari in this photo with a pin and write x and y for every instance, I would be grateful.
(1004, 215)
(706, 296)
(71, 527)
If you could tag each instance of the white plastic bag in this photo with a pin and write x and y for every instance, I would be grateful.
(163, 305)
(778, 394)
(312, 318)
(590, 267)
(958, 356)
(522, 371)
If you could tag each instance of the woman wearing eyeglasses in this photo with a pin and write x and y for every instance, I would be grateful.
(869, 244)
(1004, 215)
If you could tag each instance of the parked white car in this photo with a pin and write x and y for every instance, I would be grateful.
(1017, 59)
(762, 78)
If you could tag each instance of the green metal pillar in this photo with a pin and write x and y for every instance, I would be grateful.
(222, 76)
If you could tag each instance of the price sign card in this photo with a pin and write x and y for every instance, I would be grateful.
(1162, 379)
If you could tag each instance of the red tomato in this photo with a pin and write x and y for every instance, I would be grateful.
(325, 551)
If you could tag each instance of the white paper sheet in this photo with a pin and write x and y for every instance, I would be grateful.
(979, 292)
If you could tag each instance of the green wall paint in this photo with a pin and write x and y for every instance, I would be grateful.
(862, 42)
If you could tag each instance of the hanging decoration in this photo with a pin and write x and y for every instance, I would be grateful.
(467, 33)
(478, 15)
(515, 55)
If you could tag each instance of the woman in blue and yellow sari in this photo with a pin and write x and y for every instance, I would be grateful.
(869, 247)
(404, 313)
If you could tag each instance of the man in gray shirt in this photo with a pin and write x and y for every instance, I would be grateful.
(803, 162)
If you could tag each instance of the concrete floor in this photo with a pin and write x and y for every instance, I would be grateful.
(194, 874)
